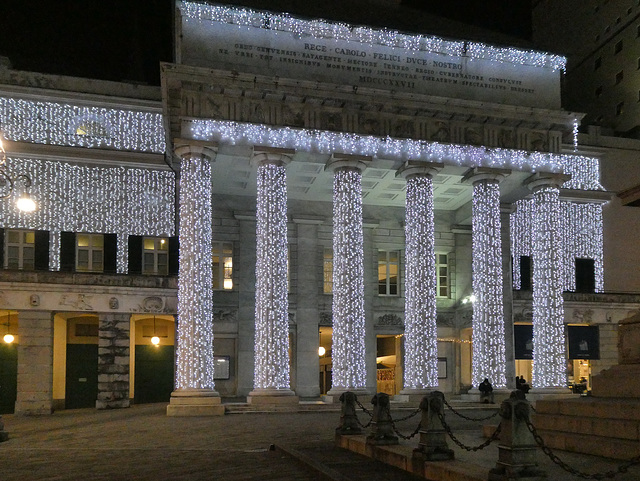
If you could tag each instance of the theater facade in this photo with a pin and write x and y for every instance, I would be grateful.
(303, 208)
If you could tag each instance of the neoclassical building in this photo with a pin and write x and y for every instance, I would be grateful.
(303, 208)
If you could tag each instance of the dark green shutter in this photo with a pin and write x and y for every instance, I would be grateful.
(110, 253)
(41, 254)
(67, 251)
(174, 254)
(135, 254)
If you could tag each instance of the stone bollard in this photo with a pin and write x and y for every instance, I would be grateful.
(348, 418)
(433, 440)
(3, 434)
(382, 429)
(517, 448)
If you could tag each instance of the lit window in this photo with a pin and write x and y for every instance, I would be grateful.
(327, 271)
(222, 265)
(89, 253)
(20, 250)
(155, 256)
(388, 269)
(442, 275)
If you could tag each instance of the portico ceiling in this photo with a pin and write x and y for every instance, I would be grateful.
(307, 179)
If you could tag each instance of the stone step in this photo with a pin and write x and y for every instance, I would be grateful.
(621, 449)
(604, 427)
(591, 407)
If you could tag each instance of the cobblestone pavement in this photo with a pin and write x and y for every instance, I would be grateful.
(142, 443)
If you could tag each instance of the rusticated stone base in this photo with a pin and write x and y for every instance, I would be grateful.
(195, 403)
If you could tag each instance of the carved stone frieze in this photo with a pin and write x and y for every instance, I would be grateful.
(152, 304)
(225, 315)
(446, 319)
(389, 319)
(326, 319)
(80, 302)
(583, 315)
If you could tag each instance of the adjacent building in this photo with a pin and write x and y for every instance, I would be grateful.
(302, 208)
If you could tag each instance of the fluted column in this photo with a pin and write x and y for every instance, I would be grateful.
(271, 373)
(348, 350)
(194, 392)
(549, 356)
(420, 333)
(488, 311)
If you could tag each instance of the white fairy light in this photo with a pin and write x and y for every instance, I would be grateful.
(74, 198)
(323, 29)
(584, 170)
(348, 351)
(488, 316)
(421, 347)
(575, 135)
(548, 312)
(194, 352)
(272, 306)
(57, 123)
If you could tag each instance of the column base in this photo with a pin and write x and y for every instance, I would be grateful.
(549, 393)
(413, 396)
(333, 395)
(273, 396)
(195, 402)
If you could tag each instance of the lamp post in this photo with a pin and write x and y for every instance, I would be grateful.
(8, 184)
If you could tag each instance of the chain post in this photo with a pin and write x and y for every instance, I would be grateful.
(433, 440)
(517, 448)
(382, 427)
(348, 417)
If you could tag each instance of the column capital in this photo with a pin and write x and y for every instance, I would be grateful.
(189, 148)
(545, 179)
(480, 174)
(341, 161)
(417, 167)
(264, 155)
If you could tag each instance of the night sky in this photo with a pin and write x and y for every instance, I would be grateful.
(126, 39)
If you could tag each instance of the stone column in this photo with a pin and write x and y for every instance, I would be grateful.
(549, 356)
(271, 370)
(420, 332)
(348, 351)
(35, 363)
(507, 296)
(307, 315)
(113, 361)
(488, 312)
(194, 393)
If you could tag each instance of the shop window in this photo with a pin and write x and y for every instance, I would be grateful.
(19, 249)
(585, 275)
(442, 275)
(388, 273)
(222, 265)
(155, 256)
(327, 271)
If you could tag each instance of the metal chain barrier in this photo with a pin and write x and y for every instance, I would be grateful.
(394, 421)
(457, 413)
(623, 468)
(493, 437)
(367, 412)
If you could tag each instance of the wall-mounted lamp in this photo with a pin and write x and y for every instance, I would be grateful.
(155, 340)
(8, 337)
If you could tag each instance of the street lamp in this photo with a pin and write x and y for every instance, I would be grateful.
(8, 184)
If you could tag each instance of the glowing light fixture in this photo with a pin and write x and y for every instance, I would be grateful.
(9, 183)
(8, 337)
(155, 340)
(321, 351)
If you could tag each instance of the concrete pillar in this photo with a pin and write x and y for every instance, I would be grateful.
(348, 351)
(487, 276)
(307, 315)
(35, 363)
(549, 357)
(507, 297)
(421, 333)
(113, 361)
(195, 393)
(271, 372)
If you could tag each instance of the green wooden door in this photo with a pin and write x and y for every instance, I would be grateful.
(82, 376)
(154, 374)
(8, 377)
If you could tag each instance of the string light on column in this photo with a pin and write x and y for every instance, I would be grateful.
(421, 346)
(194, 356)
(488, 315)
(272, 306)
(575, 135)
(348, 351)
(548, 312)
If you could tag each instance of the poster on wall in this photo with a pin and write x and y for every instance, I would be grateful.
(584, 342)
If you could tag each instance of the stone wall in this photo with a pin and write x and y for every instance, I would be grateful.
(113, 361)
